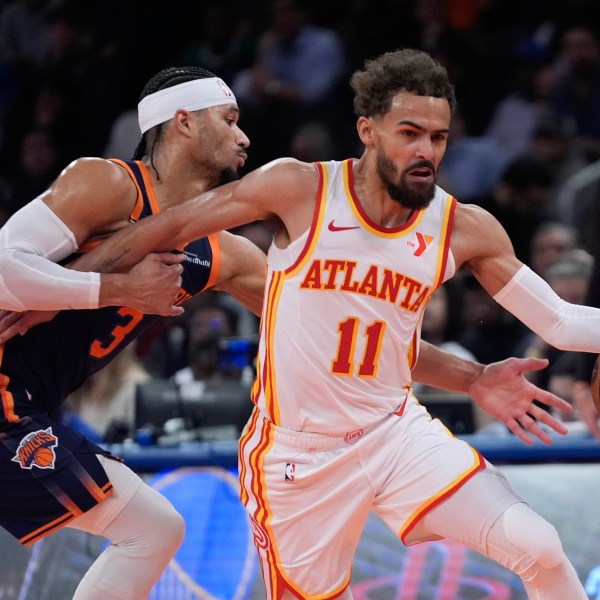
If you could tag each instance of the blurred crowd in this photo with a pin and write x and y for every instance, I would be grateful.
(524, 143)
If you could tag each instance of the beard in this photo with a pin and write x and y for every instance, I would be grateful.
(414, 196)
(227, 175)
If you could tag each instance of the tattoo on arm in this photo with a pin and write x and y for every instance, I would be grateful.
(108, 264)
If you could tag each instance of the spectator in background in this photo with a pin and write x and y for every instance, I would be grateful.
(106, 401)
(312, 141)
(562, 376)
(490, 332)
(519, 200)
(473, 165)
(577, 94)
(206, 362)
(205, 314)
(549, 242)
(516, 116)
(224, 39)
(443, 322)
(554, 144)
(295, 76)
(577, 200)
(38, 165)
(23, 32)
(569, 277)
(582, 397)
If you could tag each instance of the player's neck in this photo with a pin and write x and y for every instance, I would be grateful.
(374, 198)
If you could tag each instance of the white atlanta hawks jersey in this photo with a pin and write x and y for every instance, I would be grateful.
(343, 310)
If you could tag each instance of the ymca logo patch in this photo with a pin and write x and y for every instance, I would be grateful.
(37, 449)
(422, 244)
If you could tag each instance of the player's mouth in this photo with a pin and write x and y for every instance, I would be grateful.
(421, 175)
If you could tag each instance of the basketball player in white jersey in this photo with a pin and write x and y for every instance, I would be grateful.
(337, 431)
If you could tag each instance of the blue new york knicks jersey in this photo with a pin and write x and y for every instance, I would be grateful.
(49, 473)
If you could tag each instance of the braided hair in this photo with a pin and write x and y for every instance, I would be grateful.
(165, 79)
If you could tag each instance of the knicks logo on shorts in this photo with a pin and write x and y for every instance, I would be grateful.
(37, 449)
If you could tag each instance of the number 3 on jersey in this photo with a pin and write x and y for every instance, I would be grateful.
(131, 317)
(343, 364)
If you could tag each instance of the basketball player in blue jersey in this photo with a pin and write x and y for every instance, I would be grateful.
(337, 430)
(191, 140)
(50, 475)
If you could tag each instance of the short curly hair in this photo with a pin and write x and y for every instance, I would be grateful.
(404, 70)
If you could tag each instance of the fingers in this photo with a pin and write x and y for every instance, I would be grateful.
(170, 258)
(547, 419)
(10, 333)
(519, 432)
(530, 364)
(11, 324)
(552, 400)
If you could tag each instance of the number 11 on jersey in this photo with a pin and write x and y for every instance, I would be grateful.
(343, 364)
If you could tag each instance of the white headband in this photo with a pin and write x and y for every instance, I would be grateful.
(192, 95)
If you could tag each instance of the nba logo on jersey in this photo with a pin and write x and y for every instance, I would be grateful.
(290, 471)
(37, 449)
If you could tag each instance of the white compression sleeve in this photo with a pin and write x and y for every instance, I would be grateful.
(564, 325)
(30, 241)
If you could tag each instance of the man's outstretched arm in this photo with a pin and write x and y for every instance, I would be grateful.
(498, 388)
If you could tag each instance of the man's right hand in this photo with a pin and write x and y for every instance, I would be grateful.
(152, 286)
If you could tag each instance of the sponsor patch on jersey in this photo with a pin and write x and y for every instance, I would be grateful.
(422, 244)
(290, 472)
(354, 436)
(37, 449)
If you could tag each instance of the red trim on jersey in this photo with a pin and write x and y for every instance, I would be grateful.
(315, 219)
(429, 506)
(268, 375)
(242, 445)
(448, 234)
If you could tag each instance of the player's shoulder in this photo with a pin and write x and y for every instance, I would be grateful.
(92, 164)
(289, 168)
(469, 215)
(286, 179)
(93, 168)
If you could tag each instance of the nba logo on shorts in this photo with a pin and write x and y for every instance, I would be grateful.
(37, 449)
(290, 471)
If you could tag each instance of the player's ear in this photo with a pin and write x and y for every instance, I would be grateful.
(181, 120)
(364, 126)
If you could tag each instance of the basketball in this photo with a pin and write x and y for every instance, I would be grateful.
(44, 457)
(595, 385)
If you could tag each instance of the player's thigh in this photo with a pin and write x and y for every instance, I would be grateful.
(468, 514)
(125, 483)
(414, 467)
(308, 509)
